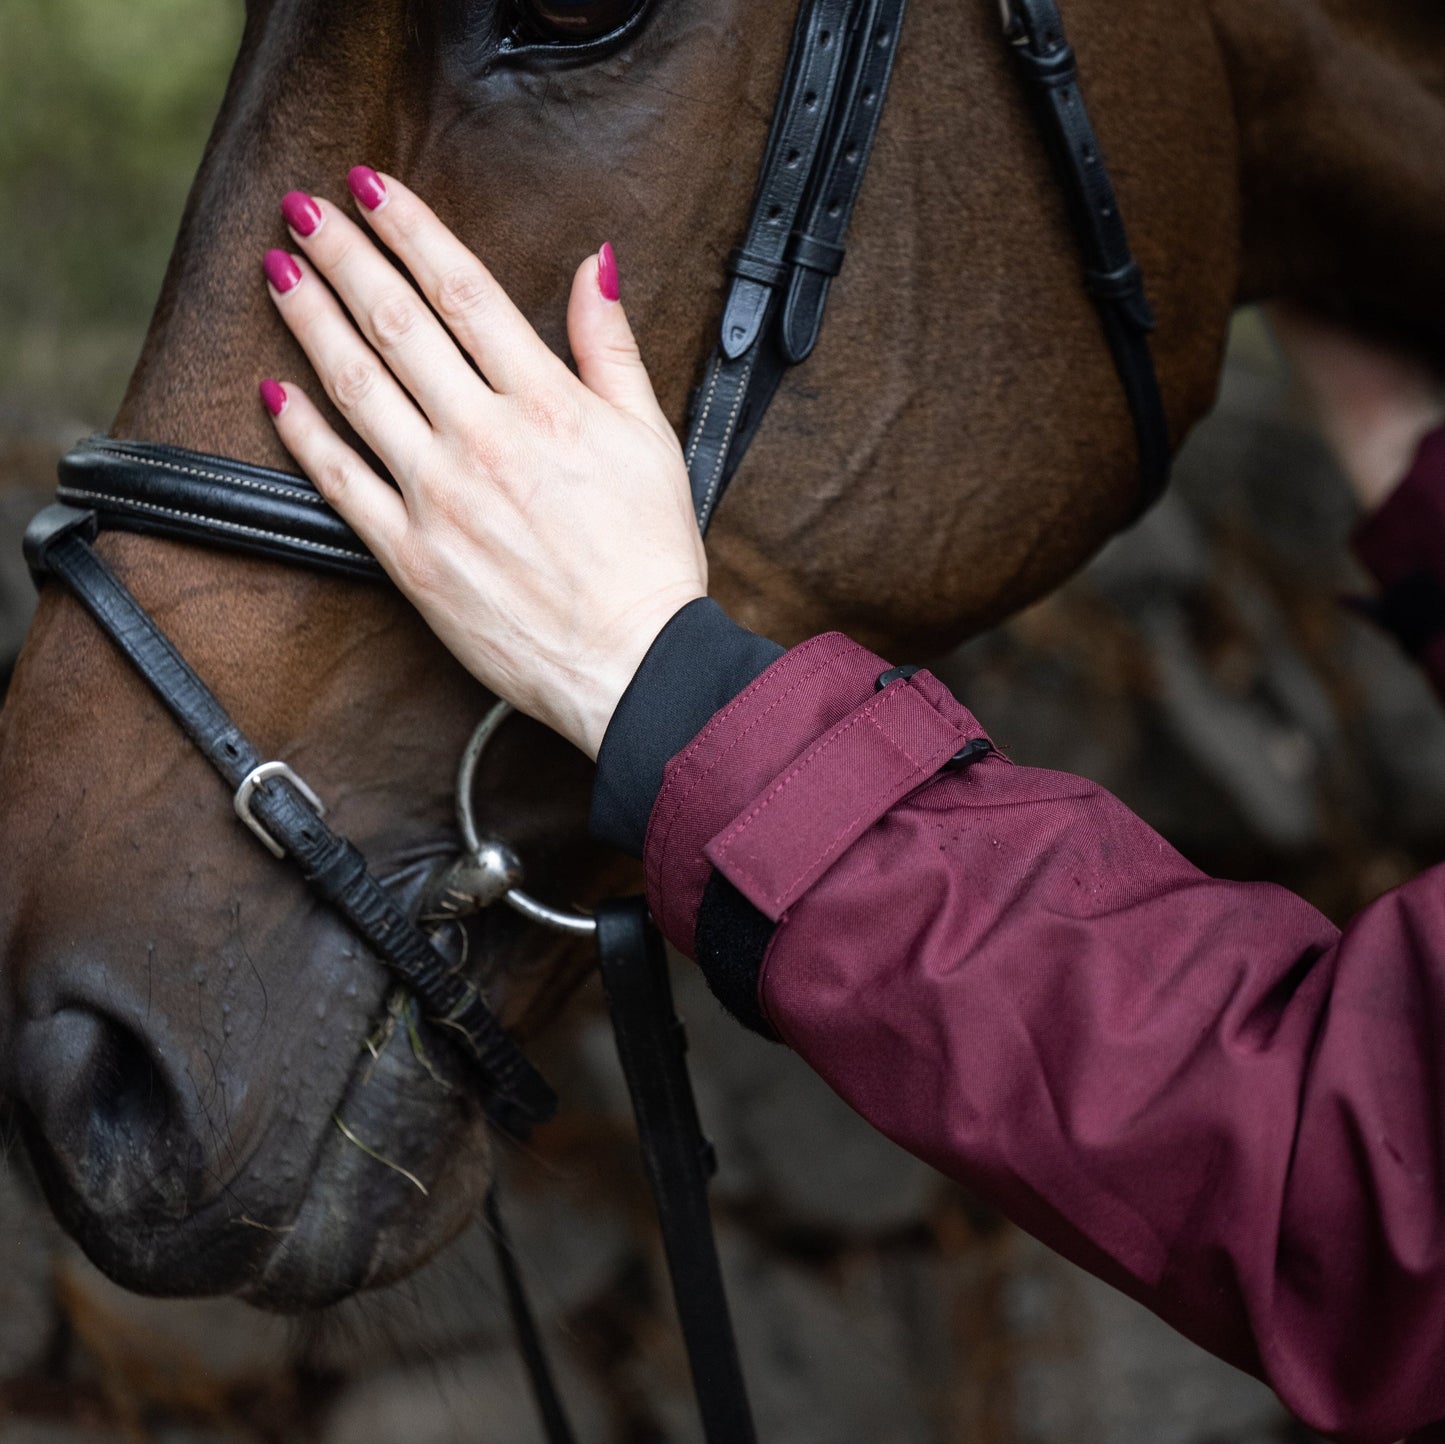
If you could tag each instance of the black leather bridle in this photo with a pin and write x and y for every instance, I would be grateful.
(822, 133)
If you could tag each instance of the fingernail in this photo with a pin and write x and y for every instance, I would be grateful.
(273, 393)
(366, 186)
(281, 270)
(607, 281)
(302, 213)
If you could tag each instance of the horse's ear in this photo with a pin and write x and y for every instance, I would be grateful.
(603, 346)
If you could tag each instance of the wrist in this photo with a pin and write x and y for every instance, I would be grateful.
(698, 663)
(616, 660)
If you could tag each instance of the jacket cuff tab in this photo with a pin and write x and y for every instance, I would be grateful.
(793, 831)
(801, 696)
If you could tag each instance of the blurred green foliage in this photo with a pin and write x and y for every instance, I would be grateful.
(104, 112)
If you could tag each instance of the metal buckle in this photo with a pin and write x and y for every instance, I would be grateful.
(254, 779)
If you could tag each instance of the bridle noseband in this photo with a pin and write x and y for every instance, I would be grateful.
(823, 129)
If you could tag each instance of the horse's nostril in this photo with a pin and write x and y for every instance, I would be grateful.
(130, 1094)
(104, 1110)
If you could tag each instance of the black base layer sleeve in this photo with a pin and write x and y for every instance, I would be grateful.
(698, 663)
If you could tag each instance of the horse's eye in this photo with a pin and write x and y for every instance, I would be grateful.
(578, 20)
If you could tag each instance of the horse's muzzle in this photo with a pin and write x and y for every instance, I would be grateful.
(179, 1173)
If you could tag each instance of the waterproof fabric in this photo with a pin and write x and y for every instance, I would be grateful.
(1200, 1090)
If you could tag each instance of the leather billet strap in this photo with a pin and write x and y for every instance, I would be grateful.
(551, 1411)
(781, 274)
(1112, 276)
(58, 544)
(817, 153)
(678, 1157)
(192, 497)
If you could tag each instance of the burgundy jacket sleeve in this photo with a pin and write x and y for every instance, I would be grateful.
(1403, 544)
(1199, 1090)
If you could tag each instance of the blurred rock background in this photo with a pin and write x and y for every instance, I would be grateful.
(1202, 668)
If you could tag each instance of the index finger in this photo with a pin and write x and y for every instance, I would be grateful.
(460, 289)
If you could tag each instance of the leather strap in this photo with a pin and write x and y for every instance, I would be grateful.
(553, 1413)
(805, 105)
(812, 172)
(58, 544)
(1112, 276)
(773, 313)
(187, 495)
(678, 1158)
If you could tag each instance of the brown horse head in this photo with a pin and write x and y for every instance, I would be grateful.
(212, 1074)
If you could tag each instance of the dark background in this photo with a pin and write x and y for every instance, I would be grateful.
(1202, 668)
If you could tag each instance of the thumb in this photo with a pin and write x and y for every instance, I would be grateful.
(603, 346)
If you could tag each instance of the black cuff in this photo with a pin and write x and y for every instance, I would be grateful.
(699, 662)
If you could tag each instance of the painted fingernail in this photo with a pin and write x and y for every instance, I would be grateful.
(281, 270)
(273, 393)
(607, 281)
(302, 213)
(367, 187)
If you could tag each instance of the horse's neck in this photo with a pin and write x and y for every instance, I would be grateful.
(959, 443)
(1341, 107)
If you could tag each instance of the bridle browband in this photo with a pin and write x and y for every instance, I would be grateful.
(817, 153)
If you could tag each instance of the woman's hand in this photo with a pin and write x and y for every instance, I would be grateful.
(541, 522)
(1374, 405)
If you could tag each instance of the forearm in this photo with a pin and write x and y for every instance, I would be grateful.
(1198, 1090)
(698, 663)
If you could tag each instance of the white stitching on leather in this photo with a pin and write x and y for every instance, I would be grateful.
(710, 495)
(69, 493)
(702, 420)
(307, 498)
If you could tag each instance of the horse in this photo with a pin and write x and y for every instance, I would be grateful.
(220, 1092)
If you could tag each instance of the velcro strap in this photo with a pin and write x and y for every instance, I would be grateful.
(807, 817)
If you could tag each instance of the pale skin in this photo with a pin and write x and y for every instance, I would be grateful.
(541, 520)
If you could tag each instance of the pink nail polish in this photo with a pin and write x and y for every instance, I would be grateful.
(273, 393)
(367, 187)
(607, 281)
(281, 270)
(301, 213)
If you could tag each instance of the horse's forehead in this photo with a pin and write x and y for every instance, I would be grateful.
(649, 130)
